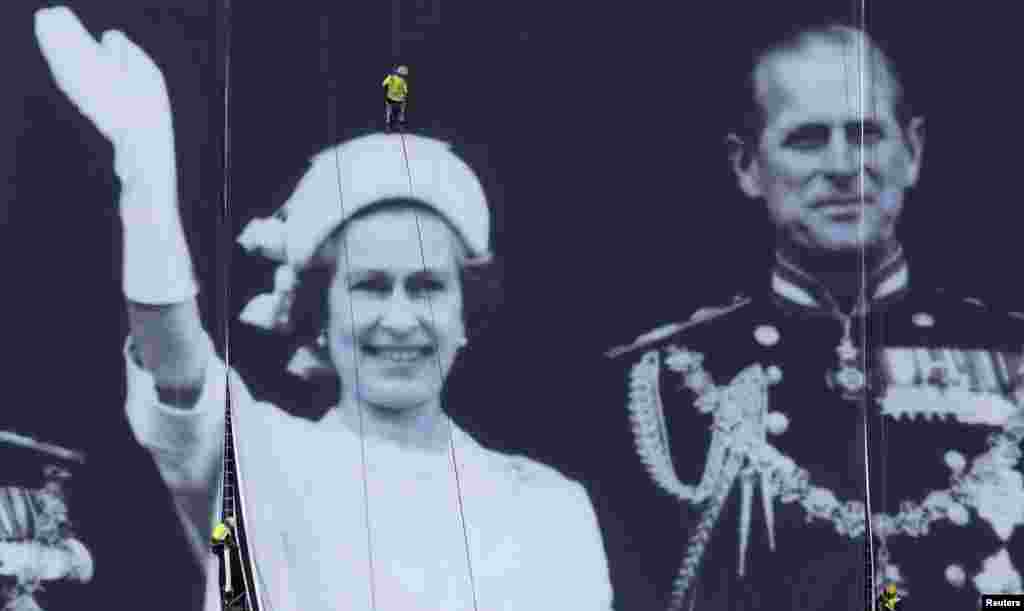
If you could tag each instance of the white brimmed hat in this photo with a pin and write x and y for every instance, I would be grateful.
(348, 178)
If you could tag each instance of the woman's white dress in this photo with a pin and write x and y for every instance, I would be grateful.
(520, 536)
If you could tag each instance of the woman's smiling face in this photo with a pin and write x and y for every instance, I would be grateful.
(395, 307)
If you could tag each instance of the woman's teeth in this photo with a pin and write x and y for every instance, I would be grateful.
(400, 355)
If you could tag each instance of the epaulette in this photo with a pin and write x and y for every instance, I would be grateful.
(699, 317)
(982, 305)
(14, 439)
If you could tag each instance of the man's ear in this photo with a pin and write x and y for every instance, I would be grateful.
(915, 136)
(744, 165)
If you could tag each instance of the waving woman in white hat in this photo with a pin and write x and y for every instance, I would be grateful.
(384, 503)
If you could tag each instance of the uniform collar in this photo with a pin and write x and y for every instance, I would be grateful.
(794, 286)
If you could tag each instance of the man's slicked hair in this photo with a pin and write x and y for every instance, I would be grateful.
(751, 121)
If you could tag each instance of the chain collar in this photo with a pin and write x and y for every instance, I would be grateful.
(740, 450)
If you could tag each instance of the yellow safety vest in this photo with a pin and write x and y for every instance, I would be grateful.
(220, 533)
(397, 88)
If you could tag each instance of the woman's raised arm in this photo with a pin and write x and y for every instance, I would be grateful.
(119, 88)
(175, 402)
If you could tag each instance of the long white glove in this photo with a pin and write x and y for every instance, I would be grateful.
(119, 88)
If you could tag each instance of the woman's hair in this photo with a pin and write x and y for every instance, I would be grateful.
(480, 279)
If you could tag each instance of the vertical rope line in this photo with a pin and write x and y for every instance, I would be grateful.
(451, 435)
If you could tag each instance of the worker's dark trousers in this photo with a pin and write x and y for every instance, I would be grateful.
(394, 113)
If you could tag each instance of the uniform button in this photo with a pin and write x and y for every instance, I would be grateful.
(924, 319)
(955, 461)
(766, 335)
(777, 423)
(955, 575)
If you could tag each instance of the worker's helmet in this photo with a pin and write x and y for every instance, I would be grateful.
(402, 70)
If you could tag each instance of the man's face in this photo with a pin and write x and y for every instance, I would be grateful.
(832, 163)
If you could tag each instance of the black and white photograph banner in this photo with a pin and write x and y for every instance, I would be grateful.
(436, 305)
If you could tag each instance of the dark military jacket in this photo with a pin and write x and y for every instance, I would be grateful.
(768, 427)
(43, 560)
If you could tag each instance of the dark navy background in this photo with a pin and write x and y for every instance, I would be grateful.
(62, 307)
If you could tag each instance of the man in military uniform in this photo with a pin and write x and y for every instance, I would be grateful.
(761, 422)
(42, 558)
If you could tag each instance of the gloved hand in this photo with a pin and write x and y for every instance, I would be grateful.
(119, 88)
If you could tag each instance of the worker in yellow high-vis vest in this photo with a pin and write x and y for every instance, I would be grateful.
(223, 540)
(396, 93)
